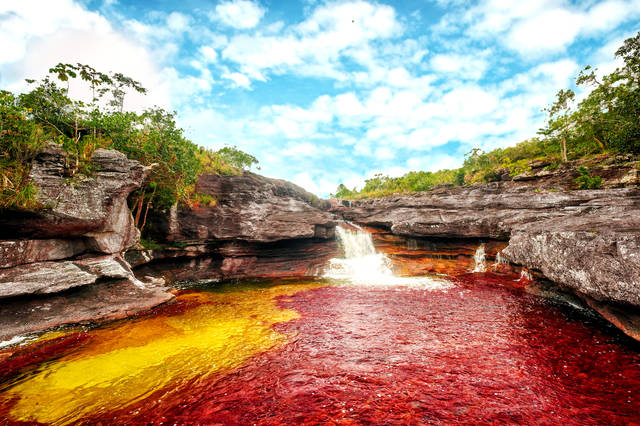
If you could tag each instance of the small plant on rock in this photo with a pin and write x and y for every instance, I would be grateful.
(586, 181)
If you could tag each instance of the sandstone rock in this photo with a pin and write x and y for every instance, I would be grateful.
(253, 208)
(53, 277)
(486, 211)
(596, 254)
(301, 258)
(18, 252)
(42, 277)
(110, 300)
(89, 207)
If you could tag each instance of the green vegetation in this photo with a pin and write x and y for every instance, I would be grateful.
(47, 114)
(605, 122)
(586, 181)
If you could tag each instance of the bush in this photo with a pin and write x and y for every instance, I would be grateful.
(47, 113)
(586, 181)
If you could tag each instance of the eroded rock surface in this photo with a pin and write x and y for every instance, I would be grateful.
(61, 263)
(596, 254)
(481, 211)
(256, 227)
(111, 300)
(253, 208)
(91, 208)
(587, 242)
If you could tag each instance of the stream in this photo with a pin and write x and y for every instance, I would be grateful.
(358, 345)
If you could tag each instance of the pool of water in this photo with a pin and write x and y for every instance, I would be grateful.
(475, 350)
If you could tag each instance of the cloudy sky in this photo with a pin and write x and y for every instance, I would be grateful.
(323, 92)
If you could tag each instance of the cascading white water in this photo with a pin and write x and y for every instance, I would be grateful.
(362, 265)
(479, 258)
(525, 275)
(500, 260)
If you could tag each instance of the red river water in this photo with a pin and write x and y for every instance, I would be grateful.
(477, 350)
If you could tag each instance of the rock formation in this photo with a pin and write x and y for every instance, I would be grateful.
(587, 242)
(73, 241)
(256, 227)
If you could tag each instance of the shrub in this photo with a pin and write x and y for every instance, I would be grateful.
(586, 181)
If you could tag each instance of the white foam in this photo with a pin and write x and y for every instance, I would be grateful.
(13, 341)
(362, 266)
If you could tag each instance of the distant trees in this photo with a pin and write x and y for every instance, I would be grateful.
(560, 123)
(606, 120)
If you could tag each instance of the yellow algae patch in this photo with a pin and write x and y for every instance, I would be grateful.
(127, 362)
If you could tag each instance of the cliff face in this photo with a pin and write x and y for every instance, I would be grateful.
(256, 227)
(70, 261)
(252, 208)
(587, 242)
(73, 242)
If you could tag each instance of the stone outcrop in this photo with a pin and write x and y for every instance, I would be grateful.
(110, 300)
(587, 242)
(81, 212)
(255, 227)
(411, 256)
(71, 245)
(491, 210)
(54, 277)
(596, 254)
(253, 208)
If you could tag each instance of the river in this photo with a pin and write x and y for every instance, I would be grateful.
(358, 345)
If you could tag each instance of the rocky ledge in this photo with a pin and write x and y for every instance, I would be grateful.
(586, 241)
(253, 227)
(62, 263)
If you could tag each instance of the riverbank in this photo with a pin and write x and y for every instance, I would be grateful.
(78, 259)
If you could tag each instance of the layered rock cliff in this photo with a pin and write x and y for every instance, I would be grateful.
(588, 241)
(50, 255)
(255, 227)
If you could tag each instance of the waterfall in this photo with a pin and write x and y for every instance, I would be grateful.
(500, 260)
(362, 265)
(479, 259)
(525, 275)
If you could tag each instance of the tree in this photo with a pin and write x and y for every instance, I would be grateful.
(560, 123)
(236, 158)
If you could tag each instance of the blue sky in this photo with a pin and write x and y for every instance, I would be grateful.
(323, 92)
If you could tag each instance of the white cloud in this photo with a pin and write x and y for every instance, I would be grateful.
(550, 30)
(315, 46)
(239, 80)
(23, 21)
(433, 163)
(536, 28)
(239, 14)
(178, 22)
(465, 66)
(208, 53)
(43, 34)
(316, 185)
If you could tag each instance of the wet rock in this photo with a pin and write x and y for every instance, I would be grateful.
(412, 256)
(301, 258)
(110, 300)
(588, 242)
(257, 227)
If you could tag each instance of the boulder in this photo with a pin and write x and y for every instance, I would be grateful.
(53, 277)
